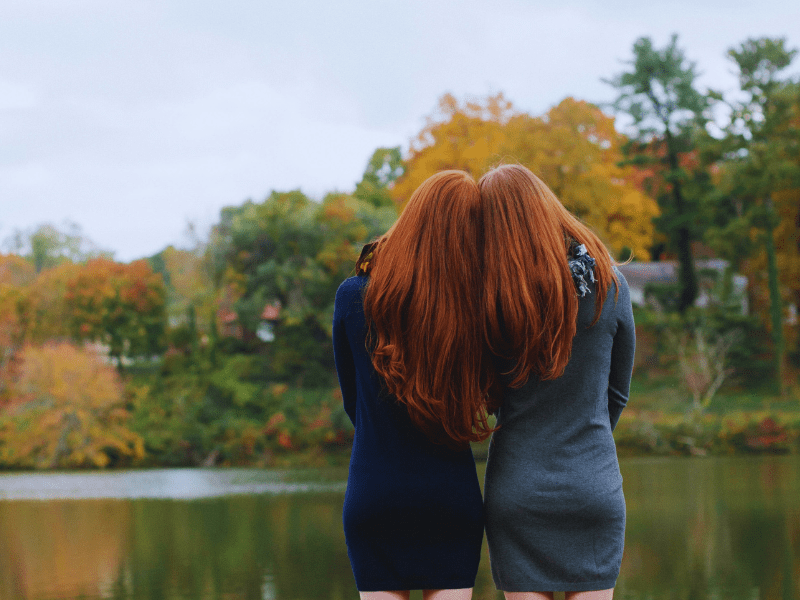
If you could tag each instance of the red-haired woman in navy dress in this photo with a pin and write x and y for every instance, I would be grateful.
(408, 343)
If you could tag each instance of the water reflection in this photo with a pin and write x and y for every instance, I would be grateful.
(716, 528)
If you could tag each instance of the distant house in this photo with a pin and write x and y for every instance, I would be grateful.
(640, 274)
(266, 329)
(230, 326)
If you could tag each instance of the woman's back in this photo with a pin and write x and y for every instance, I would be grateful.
(553, 493)
(413, 515)
(408, 346)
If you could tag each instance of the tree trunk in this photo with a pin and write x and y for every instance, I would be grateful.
(687, 276)
(775, 309)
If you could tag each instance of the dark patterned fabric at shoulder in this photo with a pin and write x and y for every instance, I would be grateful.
(582, 267)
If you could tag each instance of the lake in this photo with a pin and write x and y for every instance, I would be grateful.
(711, 528)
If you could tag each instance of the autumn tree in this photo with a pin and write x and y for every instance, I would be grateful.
(120, 305)
(189, 285)
(67, 411)
(48, 313)
(464, 136)
(658, 94)
(574, 148)
(13, 307)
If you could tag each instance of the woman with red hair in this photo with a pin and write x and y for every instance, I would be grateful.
(412, 366)
(560, 326)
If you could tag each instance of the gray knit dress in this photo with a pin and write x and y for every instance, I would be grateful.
(555, 513)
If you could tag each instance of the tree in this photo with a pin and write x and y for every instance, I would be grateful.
(15, 270)
(466, 137)
(67, 411)
(576, 149)
(47, 245)
(188, 283)
(573, 147)
(658, 93)
(384, 167)
(120, 305)
(293, 252)
(760, 166)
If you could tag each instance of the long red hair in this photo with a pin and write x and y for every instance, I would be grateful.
(530, 299)
(423, 306)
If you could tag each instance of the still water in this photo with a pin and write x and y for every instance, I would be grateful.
(717, 528)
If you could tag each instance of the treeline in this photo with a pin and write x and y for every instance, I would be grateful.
(221, 354)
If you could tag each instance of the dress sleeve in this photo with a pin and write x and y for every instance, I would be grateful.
(343, 355)
(622, 352)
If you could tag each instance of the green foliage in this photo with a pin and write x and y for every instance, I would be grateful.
(748, 358)
(735, 433)
(195, 413)
(292, 252)
(47, 246)
(658, 93)
(759, 158)
(383, 168)
(119, 305)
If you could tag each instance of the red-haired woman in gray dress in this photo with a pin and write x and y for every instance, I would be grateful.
(560, 324)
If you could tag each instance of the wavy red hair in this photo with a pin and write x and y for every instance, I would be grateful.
(531, 304)
(423, 308)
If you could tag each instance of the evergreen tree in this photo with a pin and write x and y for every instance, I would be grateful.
(658, 93)
(759, 158)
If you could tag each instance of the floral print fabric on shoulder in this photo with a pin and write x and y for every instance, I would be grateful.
(582, 267)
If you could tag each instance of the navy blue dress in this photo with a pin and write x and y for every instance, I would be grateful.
(413, 513)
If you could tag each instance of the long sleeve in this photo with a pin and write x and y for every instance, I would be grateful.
(343, 355)
(622, 353)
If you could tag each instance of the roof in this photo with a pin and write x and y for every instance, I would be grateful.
(639, 274)
(271, 312)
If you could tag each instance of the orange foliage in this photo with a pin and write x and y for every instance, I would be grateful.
(574, 148)
(121, 305)
(13, 303)
(15, 270)
(67, 411)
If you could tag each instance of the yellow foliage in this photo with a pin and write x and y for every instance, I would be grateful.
(189, 285)
(49, 314)
(67, 411)
(15, 270)
(574, 148)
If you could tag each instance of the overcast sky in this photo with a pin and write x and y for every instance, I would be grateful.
(132, 118)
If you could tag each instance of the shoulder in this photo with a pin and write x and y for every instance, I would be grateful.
(623, 283)
(351, 285)
(623, 295)
(349, 290)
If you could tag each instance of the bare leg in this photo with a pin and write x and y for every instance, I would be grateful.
(397, 595)
(459, 594)
(595, 595)
(529, 595)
